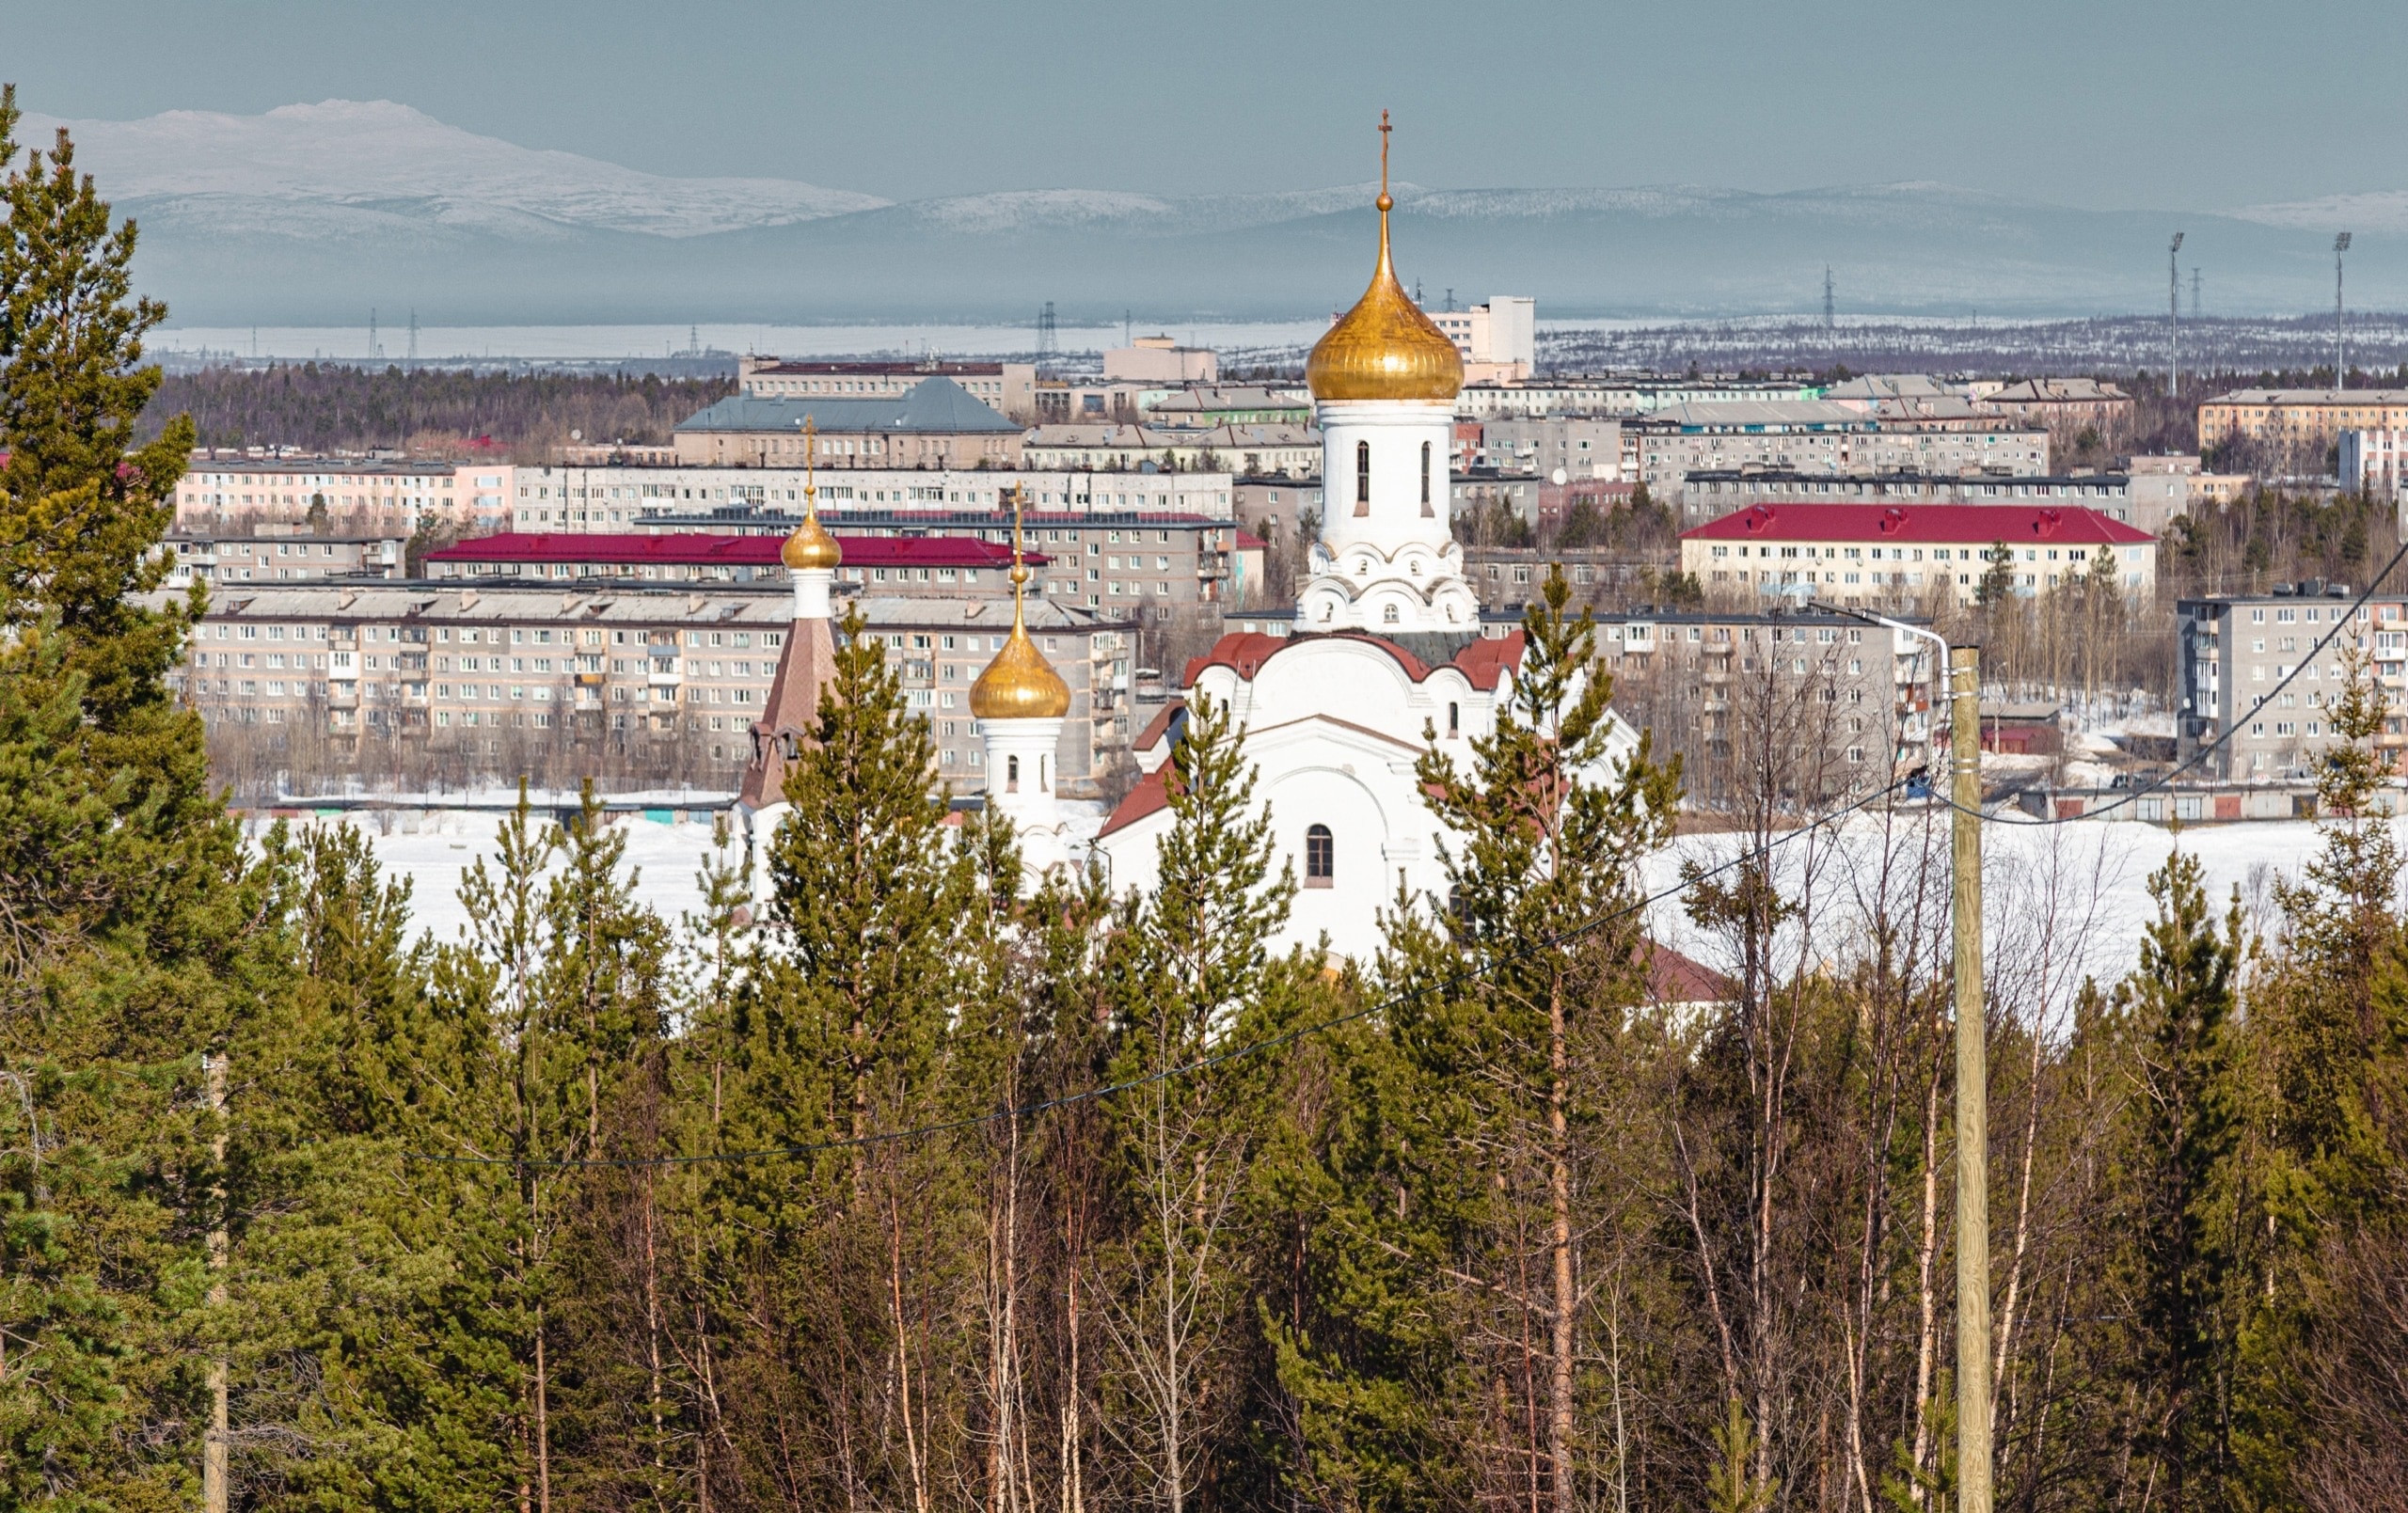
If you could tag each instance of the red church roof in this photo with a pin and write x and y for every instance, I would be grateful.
(1965, 525)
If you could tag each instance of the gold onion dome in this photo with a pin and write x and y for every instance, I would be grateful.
(811, 546)
(1385, 348)
(1019, 684)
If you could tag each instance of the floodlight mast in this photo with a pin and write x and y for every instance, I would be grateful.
(2341, 348)
(2174, 317)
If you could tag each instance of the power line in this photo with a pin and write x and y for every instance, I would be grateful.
(1189, 1068)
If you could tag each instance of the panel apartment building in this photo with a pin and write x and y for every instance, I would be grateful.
(357, 495)
(1864, 555)
(1663, 450)
(1008, 388)
(448, 665)
(934, 425)
(2299, 420)
(2234, 653)
(623, 497)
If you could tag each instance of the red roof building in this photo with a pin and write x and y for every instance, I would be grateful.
(1853, 553)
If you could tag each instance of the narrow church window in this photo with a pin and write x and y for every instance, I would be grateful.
(1426, 511)
(1362, 477)
(1012, 775)
(1321, 857)
(1455, 722)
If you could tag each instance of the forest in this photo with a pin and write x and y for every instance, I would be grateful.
(892, 1178)
(428, 412)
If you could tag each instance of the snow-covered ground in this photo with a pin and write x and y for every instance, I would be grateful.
(2089, 878)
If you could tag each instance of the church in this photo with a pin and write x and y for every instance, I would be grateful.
(1388, 655)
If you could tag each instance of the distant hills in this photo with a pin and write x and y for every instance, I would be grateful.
(312, 214)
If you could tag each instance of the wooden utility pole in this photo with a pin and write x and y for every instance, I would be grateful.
(213, 1455)
(1972, 1092)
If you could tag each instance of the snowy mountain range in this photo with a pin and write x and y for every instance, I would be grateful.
(314, 212)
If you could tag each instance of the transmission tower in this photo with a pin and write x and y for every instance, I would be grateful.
(413, 358)
(1831, 312)
(1047, 339)
(2194, 293)
(374, 350)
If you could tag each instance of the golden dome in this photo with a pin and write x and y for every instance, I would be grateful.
(1019, 684)
(811, 546)
(1385, 348)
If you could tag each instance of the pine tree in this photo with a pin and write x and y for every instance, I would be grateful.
(2179, 1132)
(126, 954)
(1467, 1185)
(1191, 967)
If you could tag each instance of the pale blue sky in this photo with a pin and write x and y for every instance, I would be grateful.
(2206, 104)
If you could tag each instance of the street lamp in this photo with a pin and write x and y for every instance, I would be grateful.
(1960, 669)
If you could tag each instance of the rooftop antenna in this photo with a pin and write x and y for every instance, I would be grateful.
(2173, 315)
(2341, 341)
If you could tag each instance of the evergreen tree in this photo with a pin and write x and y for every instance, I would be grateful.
(2178, 1134)
(1191, 968)
(1466, 1176)
(126, 955)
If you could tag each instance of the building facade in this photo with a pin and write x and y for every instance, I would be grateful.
(2233, 655)
(280, 557)
(1008, 388)
(2299, 419)
(936, 424)
(769, 500)
(943, 566)
(1662, 449)
(1093, 447)
(1869, 554)
(221, 492)
(442, 664)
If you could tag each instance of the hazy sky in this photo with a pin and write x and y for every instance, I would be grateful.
(2109, 103)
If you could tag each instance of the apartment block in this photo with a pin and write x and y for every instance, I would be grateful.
(1663, 448)
(2232, 652)
(2299, 419)
(441, 664)
(1842, 701)
(280, 557)
(1870, 554)
(1621, 396)
(1497, 340)
(352, 496)
(1092, 447)
(740, 499)
(936, 424)
(1008, 388)
(943, 566)
(2144, 499)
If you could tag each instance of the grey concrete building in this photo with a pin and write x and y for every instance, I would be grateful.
(2234, 653)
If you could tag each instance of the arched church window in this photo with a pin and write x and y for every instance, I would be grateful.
(1321, 857)
(1426, 511)
(1044, 775)
(1454, 719)
(1012, 775)
(1387, 614)
(1362, 477)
